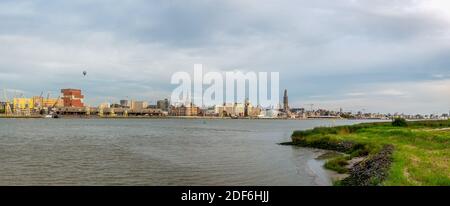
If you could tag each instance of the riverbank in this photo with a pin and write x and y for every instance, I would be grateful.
(382, 154)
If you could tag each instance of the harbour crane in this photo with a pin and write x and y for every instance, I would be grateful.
(51, 110)
(36, 105)
(311, 106)
(8, 111)
(56, 102)
(48, 96)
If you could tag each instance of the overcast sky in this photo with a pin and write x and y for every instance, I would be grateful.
(376, 55)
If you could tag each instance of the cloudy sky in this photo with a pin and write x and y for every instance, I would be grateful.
(376, 55)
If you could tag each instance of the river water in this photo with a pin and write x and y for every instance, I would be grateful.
(157, 152)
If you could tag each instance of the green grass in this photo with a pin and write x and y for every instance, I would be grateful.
(421, 149)
(337, 164)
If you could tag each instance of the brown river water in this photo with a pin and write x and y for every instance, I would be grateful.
(157, 152)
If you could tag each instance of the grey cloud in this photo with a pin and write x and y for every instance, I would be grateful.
(319, 47)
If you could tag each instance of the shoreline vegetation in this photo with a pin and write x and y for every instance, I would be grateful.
(384, 153)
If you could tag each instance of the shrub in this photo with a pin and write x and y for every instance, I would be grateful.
(359, 150)
(337, 164)
(399, 122)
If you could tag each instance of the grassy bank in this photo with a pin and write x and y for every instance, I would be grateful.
(414, 154)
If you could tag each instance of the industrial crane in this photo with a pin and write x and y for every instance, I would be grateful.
(8, 111)
(52, 113)
(38, 104)
(311, 106)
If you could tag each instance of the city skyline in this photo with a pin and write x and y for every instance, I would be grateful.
(386, 57)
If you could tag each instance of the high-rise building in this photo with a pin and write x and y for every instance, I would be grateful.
(285, 101)
(139, 105)
(72, 98)
(163, 104)
(124, 103)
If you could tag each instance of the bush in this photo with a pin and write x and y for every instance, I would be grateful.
(359, 150)
(432, 124)
(337, 164)
(399, 122)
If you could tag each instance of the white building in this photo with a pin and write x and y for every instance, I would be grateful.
(269, 113)
(230, 109)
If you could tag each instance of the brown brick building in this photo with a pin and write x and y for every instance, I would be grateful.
(189, 110)
(72, 97)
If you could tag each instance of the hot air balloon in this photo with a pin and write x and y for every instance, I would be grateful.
(84, 73)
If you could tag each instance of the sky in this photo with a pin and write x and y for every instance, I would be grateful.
(359, 55)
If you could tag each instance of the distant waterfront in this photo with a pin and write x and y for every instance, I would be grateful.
(170, 117)
(157, 152)
(203, 118)
(71, 105)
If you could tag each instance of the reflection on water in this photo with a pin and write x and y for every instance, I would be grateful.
(156, 152)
